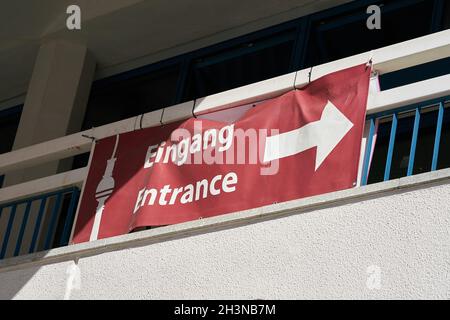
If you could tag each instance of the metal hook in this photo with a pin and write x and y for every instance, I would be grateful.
(295, 79)
(309, 75)
(162, 115)
(369, 63)
(89, 137)
(140, 121)
(193, 107)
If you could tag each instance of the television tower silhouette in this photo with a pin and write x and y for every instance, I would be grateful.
(104, 189)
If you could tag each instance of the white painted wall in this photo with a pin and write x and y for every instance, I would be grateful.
(322, 253)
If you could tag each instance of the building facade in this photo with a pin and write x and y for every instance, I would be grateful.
(136, 64)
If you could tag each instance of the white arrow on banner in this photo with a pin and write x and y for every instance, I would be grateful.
(324, 134)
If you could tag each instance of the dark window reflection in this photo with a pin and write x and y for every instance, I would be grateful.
(446, 17)
(339, 36)
(415, 74)
(9, 122)
(244, 64)
(118, 99)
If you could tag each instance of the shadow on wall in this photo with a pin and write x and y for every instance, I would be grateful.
(56, 280)
(12, 282)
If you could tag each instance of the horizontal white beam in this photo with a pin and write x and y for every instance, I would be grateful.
(387, 59)
(43, 185)
(247, 94)
(409, 94)
(73, 144)
(178, 112)
(391, 58)
(55, 149)
(412, 52)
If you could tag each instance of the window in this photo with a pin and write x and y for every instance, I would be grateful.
(414, 74)
(401, 21)
(446, 17)
(9, 122)
(129, 95)
(268, 53)
(248, 62)
(304, 42)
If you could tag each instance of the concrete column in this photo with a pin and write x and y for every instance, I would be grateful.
(55, 102)
(54, 106)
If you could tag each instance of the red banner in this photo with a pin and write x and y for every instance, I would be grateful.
(303, 143)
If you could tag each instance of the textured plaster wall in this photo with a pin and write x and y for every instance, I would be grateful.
(402, 237)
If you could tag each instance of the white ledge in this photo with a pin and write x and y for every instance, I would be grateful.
(409, 94)
(43, 185)
(73, 144)
(225, 221)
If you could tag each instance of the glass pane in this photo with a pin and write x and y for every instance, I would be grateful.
(248, 63)
(118, 99)
(329, 38)
(9, 122)
(113, 100)
(446, 18)
(414, 74)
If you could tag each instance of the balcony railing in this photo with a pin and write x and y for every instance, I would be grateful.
(60, 204)
(415, 112)
(381, 104)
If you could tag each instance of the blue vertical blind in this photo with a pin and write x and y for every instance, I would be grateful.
(38, 223)
(409, 140)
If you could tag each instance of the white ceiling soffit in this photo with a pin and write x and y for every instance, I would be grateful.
(124, 34)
